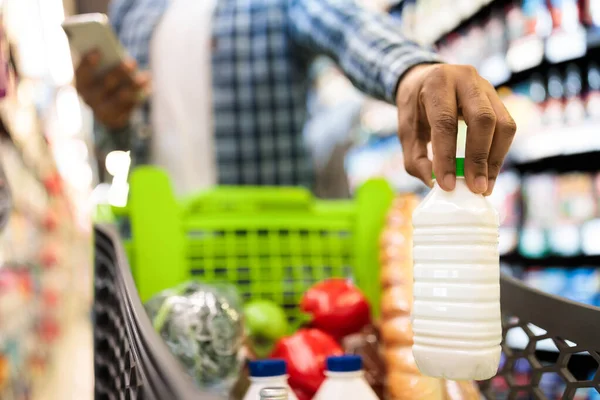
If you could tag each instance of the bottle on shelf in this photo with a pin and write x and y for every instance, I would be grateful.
(590, 11)
(554, 112)
(574, 106)
(456, 312)
(593, 96)
(267, 374)
(345, 380)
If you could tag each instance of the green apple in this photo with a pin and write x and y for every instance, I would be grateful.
(266, 323)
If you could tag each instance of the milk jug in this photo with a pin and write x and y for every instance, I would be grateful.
(456, 311)
(268, 374)
(345, 380)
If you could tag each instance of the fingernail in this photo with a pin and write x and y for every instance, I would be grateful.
(481, 184)
(490, 186)
(449, 181)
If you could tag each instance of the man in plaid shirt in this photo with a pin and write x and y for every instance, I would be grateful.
(262, 51)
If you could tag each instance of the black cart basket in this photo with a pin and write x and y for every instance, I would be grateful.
(132, 362)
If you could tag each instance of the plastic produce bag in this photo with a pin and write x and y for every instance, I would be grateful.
(202, 326)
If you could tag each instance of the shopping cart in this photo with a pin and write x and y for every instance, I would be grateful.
(270, 243)
(558, 340)
(274, 244)
(132, 362)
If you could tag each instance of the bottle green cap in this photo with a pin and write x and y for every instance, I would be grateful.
(460, 167)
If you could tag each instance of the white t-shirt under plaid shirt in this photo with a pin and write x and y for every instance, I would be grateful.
(261, 54)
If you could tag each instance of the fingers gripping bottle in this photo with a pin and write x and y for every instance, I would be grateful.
(456, 312)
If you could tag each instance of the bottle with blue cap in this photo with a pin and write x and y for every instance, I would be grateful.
(268, 374)
(345, 380)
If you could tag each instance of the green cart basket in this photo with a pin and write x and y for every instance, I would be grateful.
(269, 242)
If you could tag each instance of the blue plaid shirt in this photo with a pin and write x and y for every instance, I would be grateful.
(261, 57)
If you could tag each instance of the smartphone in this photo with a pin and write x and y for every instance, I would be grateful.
(88, 32)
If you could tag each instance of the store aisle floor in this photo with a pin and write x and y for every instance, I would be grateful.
(73, 377)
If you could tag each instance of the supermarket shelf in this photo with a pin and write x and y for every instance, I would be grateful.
(550, 261)
(74, 352)
(593, 39)
(554, 142)
(18, 321)
(465, 19)
(543, 62)
(479, 13)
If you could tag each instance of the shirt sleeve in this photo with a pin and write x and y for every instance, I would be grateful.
(368, 46)
(134, 22)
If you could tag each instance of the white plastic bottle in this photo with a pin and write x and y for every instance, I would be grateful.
(275, 393)
(456, 313)
(268, 374)
(345, 381)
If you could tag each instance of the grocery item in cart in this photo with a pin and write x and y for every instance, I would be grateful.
(274, 393)
(305, 353)
(265, 323)
(456, 313)
(202, 326)
(266, 374)
(367, 345)
(336, 307)
(345, 380)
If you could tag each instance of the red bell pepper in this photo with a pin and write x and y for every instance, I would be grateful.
(337, 307)
(306, 353)
(300, 395)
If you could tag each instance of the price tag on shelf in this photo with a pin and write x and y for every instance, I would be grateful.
(525, 53)
(564, 46)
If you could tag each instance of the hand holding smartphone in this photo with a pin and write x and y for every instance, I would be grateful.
(106, 78)
(92, 32)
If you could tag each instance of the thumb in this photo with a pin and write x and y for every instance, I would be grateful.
(417, 163)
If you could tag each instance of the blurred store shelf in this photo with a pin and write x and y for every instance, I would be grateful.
(456, 16)
(72, 377)
(514, 258)
(552, 142)
(534, 54)
(593, 39)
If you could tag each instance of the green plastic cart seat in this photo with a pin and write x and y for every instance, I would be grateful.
(271, 243)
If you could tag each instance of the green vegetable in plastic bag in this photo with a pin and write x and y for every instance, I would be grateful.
(202, 326)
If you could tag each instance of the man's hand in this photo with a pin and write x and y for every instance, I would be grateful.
(430, 100)
(113, 96)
